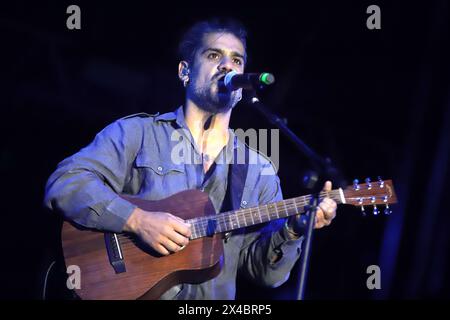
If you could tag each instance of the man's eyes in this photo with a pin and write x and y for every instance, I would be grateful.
(215, 56)
(237, 61)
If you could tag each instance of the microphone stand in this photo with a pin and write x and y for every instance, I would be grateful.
(313, 180)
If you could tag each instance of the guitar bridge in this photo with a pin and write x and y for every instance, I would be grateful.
(114, 252)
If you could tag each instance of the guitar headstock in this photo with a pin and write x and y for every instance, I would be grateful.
(380, 192)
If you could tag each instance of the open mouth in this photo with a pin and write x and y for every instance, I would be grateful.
(221, 76)
(220, 84)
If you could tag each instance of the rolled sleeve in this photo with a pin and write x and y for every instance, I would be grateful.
(114, 216)
(85, 186)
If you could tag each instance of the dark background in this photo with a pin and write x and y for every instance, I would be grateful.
(375, 101)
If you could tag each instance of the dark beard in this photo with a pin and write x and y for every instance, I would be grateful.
(213, 104)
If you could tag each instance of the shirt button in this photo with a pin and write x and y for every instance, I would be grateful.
(244, 203)
(160, 168)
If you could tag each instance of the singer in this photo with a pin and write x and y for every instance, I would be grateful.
(134, 156)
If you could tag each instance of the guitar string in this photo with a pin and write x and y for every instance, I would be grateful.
(223, 218)
(200, 224)
(288, 203)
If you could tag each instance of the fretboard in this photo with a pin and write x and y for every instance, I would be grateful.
(231, 220)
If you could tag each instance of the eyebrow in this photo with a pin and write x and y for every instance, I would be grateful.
(233, 53)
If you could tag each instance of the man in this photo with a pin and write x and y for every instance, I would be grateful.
(135, 156)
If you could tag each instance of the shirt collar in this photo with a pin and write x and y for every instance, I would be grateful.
(178, 116)
(169, 116)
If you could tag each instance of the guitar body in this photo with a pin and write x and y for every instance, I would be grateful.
(115, 267)
(148, 275)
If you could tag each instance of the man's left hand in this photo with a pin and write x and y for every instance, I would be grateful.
(326, 212)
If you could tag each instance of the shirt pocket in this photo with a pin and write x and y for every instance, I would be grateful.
(160, 176)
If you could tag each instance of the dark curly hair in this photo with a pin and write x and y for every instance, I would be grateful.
(193, 37)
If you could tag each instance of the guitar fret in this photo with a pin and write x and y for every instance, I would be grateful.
(193, 234)
(295, 205)
(268, 211)
(228, 221)
(194, 227)
(276, 210)
(236, 218)
(197, 227)
(267, 217)
(302, 202)
(243, 215)
(219, 223)
(210, 225)
(285, 209)
(259, 214)
(251, 215)
(204, 227)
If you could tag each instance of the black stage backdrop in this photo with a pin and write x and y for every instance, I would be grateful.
(375, 101)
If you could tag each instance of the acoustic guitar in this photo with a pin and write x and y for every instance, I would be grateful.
(119, 266)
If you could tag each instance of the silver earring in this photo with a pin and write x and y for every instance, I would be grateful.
(240, 96)
(185, 77)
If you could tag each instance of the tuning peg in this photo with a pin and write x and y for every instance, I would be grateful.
(380, 182)
(356, 184)
(360, 202)
(387, 210)
(369, 184)
(375, 210)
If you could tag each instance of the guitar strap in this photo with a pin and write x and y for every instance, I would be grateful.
(237, 175)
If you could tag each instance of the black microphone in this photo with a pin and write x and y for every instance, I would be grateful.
(234, 80)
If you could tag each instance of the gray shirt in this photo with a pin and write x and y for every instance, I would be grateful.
(154, 157)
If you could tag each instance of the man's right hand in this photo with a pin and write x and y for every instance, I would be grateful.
(163, 231)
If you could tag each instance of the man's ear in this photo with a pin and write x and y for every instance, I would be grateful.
(183, 70)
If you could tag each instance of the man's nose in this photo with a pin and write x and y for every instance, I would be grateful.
(225, 65)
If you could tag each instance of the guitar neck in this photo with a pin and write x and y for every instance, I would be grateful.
(231, 220)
